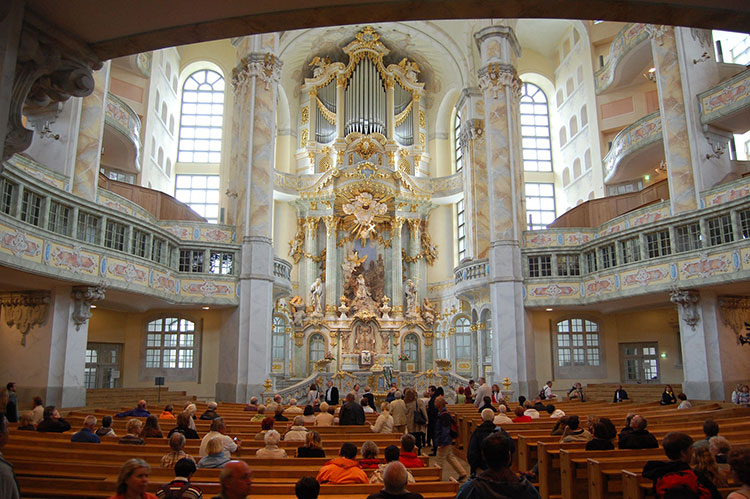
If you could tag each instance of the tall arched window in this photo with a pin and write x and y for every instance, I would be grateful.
(278, 340)
(411, 348)
(463, 338)
(461, 230)
(457, 142)
(317, 349)
(201, 118)
(537, 151)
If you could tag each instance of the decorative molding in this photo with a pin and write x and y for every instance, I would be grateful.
(266, 66)
(83, 297)
(656, 32)
(735, 312)
(25, 310)
(687, 300)
(50, 68)
(495, 77)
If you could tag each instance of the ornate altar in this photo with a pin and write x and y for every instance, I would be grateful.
(362, 242)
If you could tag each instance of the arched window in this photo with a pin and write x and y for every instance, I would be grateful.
(577, 168)
(171, 125)
(316, 349)
(457, 143)
(160, 157)
(535, 132)
(559, 98)
(278, 338)
(587, 159)
(411, 348)
(573, 126)
(201, 118)
(463, 338)
(563, 136)
(584, 116)
(569, 86)
(156, 102)
(170, 345)
(577, 343)
(487, 337)
(566, 176)
(164, 112)
(442, 342)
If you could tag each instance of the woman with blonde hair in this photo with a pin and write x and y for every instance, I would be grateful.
(191, 410)
(704, 465)
(133, 480)
(216, 457)
(384, 423)
(134, 431)
(313, 446)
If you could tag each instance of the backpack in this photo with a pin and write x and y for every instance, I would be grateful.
(680, 485)
(169, 493)
(542, 395)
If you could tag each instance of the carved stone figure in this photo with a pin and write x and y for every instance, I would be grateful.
(343, 308)
(428, 312)
(410, 293)
(385, 308)
(362, 297)
(297, 309)
(316, 298)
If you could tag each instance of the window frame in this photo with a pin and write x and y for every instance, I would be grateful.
(532, 223)
(459, 155)
(539, 134)
(658, 243)
(177, 373)
(464, 334)
(568, 265)
(688, 237)
(590, 344)
(720, 229)
(461, 229)
(187, 194)
(188, 132)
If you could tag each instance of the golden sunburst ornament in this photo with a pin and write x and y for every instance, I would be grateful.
(363, 214)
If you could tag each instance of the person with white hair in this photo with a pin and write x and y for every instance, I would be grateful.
(210, 412)
(87, 432)
(384, 423)
(253, 405)
(271, 450)
(219, 429)
(325, 417)
(216, 457)
(293, 409)
(486, 428)
(395, 479)
(501, 418)
(399, 413)
(297, 432)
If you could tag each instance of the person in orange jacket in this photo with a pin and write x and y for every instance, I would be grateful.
(343, 469)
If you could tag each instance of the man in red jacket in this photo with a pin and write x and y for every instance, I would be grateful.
(408, 457)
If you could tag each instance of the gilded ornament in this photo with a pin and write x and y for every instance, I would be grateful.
(421, 119)
(303, 137)
(422, 140)
(330, 116)
(305, 115)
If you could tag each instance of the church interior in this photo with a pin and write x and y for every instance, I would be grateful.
(240, 203)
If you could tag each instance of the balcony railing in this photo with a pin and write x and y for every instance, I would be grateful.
(122, 118)
(282, 278)
(629, 37)
(632, 138)
(726, 99)
(471, 277)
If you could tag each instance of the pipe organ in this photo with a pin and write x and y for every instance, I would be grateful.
(363, 98)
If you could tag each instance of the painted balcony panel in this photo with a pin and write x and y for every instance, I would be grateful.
(636, 150)
(727, 105)
(121, 142)
(629, 56)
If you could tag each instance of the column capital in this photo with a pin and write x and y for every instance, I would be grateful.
(83, 297)
(265, 66)
(25, 310)
(495, 76)
(687, 300)
(656, 32)
(504, 52)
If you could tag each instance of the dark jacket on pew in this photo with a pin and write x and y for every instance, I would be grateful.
(638, 439)
(53, 426)
(474, 455)
(351, 414)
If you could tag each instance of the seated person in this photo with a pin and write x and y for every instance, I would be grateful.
(152, 429)
(260, 414)
(210, 412)
(184, 470)
(297, 432)
(343, 469)
(253, 405)
(52, 422)
(369, 455)
(87, 432)
(520, 416)
(132, 437)
(384, 423)
(710, 430)
(501, 418)
(265, 425)
(667, 396)
(216, 457)
(325, 417)
(139, 411)
(407, 456)
(675, 478)
(486, 404)
(576, 393)
(392, 454)
(168, 412)
(271, 450)
(620, 394)
(313, 446)
(293, 409)
(395, 480)
(105, 430)
(307, 488)
(365, 403)
(573, 431)
(600, 440)
(183, 426)
(684, 402)
(529, 410)
(177, 446)
(639, 437)
(739, 460)
(26, 422)
(279, 414)
(553, 412)
(308, 415)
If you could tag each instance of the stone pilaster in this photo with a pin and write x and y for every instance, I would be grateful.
(513, 350)
(332, 266)
(90, 133)
(397, 278)
(246, 341)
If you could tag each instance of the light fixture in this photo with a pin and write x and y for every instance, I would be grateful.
(47, 133)
(206, 308)
(548, 309)
(663, 355)
(92, 306)
(647, 177)
(650, 75)
(702, 58)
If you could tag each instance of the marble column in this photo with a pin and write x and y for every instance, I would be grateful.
(90, 133)
(310, 269)
(10, 37)
(53, 358)
(415, 230)
(683, 194)
(702, 355)
(397, 276)
(245, 342)
(512, 348)
(332, 268)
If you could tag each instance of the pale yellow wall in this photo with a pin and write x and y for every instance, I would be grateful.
(630, 327)
(108, 326)
(441, 230)
(441, 151)
(284, 228)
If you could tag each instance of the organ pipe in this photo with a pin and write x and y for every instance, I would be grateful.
(365, 100)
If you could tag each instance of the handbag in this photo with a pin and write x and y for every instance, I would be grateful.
(419, 417)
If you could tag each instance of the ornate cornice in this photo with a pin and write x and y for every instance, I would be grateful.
(265, 66)
(25, 310)
(495, 77)
(83, 297)
(687, 300)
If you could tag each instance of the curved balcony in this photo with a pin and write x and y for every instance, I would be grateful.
(636, 150)
(122, 136)
(726, 105)
(471, 278)
(282, 278)
(629, 55)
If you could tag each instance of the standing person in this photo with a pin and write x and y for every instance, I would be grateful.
(351, 412)
(620, 394)
(576, 393)
(460, 397)
(547, 391)
(312, 394)
(184, 469)
(483, 391)
(133, 480)
(398, 411)
(332, 394)
(443, 438)
(667, 396)
(497, 396)
(432, 413)
(236, 480)
(370, 397)
(469, 392)
(11, 408)
(416, 417)
(384, 423)
(8, 484)
(499, 480)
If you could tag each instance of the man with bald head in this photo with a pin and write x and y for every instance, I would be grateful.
(395, 478)
(236, 479)
(639, 437)
(139, 412)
